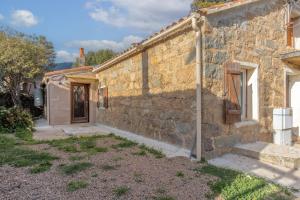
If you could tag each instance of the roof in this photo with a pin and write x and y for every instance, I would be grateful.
(137, 47)
(66, 71)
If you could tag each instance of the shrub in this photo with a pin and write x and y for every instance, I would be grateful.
(14, 118)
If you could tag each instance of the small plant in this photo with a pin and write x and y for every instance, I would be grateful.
(138, 177)
(107, 167)
(75, 168)
(43, 167)
(124, 144)
(76, 185)
(24, 134)
(156, 153)
(94, 175)
(120, 191)
(140, 153)
(180, 174)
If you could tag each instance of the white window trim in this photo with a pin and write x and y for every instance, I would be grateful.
(244, 94)
(254, 80)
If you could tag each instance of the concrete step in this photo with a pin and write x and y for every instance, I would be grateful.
(271, 153)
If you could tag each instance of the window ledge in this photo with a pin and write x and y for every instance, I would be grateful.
(245, 123)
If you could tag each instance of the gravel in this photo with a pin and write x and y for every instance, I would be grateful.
(146, 176)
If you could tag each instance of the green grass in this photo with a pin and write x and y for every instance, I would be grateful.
(154, 152)
(180, 174)
(14, 156)
(76, 185)
(138, 177)
(75, 167)
(124, 144)
(79, 144)
(107, 167)
(24, 134)
(120, 191)
(140, 153)
(40, 168)
(233, 185)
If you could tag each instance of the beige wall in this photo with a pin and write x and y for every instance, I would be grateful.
(153, 93)
(59, 101)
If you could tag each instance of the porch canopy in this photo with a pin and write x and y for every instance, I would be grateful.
(292, 58)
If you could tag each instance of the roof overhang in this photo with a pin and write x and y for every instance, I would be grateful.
(82, 77)
(292, 58)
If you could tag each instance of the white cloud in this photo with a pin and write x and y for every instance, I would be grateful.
(105, 44)
(65, 56)
(23, 18)
(1, 17)
(147, 15)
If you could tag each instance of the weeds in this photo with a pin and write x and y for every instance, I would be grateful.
(75, 167)
(120, 191)
(76, 185)
(156, 153)
(43, 167)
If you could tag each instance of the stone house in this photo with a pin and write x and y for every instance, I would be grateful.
(209, 81)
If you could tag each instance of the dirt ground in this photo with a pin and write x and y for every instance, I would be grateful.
(141, 173)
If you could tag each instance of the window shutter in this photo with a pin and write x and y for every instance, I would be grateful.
(105, 91)
(233, 93)
(290, 34)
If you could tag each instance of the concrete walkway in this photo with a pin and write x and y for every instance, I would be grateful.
(284, 176)
(46, 132)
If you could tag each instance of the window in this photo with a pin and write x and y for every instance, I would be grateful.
(103, 97)
(241, 92)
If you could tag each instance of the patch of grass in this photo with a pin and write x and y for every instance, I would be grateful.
(140, 153)
(120, 191)
(94, 175)
(236, 185)
(43, 167)
(180, 174)
(75, 167)
(124, 144)
(117, 159)
(81, 144)
(76, 158)
(107, 167)
(76, 185)
(24, 134)
(14, 156)
(154, 152)
(138, 177)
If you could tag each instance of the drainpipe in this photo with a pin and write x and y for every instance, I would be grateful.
(197, 24)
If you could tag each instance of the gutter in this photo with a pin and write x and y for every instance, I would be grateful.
(197, 23)
(144, 44)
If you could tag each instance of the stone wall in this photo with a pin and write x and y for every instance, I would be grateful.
(153, 93)
(254, 33)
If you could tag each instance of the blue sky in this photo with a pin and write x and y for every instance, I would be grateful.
(92, 24)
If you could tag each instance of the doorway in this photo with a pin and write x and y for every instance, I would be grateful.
(294, 94)
(79, 103)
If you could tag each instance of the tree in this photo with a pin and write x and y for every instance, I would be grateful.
(206, 3)
(22, 58)
(97, 58)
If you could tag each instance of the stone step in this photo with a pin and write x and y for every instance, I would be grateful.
(267, 152)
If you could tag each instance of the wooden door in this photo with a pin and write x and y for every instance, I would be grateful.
(79, 103)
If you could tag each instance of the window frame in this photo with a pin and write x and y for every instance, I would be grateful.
(104, 105)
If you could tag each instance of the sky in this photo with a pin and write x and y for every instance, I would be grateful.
(91, 24)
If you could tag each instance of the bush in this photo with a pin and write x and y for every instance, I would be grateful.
(15, 118)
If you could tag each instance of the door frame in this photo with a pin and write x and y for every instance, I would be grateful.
(87, 118)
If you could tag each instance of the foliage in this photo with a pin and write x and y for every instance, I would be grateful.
(206, 3)
(156, 153)
(97, 57)
(236, 185)
(76, 185)
(43, 167)
(75, 167)
(15, 118)
(120, 191)
(22, 58)
(24, 134)
(20, 157)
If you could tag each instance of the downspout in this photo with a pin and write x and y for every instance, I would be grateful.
(197, 25)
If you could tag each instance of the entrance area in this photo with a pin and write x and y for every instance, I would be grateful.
(79, 103)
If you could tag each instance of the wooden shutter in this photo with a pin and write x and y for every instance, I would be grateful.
(232, 92)
(290, 34)
(105, 96)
